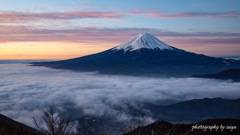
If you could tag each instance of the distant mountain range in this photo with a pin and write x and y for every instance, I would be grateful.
(145, 55)
(196, 110)
(232, 74)
(184, 112)
(166, 128)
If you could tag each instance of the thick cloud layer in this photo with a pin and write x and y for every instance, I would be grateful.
(26, 90)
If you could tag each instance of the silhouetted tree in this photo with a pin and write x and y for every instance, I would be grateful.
(52, 123)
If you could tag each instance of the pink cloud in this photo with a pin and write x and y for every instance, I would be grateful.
(113, 35)
(11, 16)
(58, 15)
(188, 41)
(232, 14)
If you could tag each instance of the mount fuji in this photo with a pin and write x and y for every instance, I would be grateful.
(145, 55)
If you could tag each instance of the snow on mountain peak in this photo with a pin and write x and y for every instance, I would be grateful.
(143, 40)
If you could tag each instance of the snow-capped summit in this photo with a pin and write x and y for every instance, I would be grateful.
(143, 40)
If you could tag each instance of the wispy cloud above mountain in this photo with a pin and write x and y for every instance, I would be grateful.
(90, 35)
(68, 15)
(231, 14)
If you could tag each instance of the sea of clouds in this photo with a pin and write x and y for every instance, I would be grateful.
(27, 90)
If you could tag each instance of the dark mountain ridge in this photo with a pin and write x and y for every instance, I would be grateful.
(233, 74)
(195, 110)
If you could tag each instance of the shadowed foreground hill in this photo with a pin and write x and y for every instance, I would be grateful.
(11, 127)
(166, 128)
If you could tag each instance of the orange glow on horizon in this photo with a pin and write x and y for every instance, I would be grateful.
(48, 50)
(67, 50)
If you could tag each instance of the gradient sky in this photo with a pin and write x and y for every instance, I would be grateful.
(61, 29)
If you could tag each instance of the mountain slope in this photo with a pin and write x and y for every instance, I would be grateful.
(145, 55)
(11, 127)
